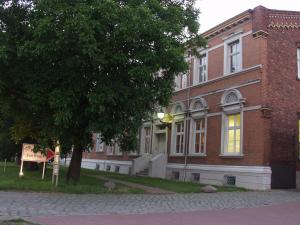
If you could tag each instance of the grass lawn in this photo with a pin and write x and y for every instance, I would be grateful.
(15, 222)
(32, 181)
(175, 186)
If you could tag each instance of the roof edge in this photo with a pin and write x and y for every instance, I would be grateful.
(246, 15)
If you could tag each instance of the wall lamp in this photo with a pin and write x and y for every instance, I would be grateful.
(165, 118)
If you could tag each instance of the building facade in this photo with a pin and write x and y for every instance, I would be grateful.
(234, 118)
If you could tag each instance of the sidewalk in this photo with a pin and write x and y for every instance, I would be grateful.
(283, 214)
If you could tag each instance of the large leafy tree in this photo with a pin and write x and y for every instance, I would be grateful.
(71, 67)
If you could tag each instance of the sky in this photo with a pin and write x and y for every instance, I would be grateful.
(214, 12)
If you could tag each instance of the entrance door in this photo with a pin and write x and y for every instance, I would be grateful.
(160, 143)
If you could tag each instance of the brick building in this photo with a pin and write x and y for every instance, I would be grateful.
(234, 118)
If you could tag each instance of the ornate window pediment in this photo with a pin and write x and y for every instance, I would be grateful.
(178, 108)
(198, 107)
(232, 97)
(198, 104)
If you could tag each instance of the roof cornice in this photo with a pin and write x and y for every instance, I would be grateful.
(238, 19)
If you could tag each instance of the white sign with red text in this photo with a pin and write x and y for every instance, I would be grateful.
(29, 155)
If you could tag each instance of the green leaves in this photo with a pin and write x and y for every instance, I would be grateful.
(74, 67)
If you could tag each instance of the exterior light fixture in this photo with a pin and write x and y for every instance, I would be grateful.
(164, 118)
(160, 115)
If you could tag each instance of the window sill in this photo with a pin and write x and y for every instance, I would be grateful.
(231, 156)
(197, 155)
(176, 155)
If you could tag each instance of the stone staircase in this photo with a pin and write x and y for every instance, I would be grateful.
(143, 173)
(149, 165)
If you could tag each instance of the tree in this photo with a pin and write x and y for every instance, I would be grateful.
(8, 149)
(71, 67)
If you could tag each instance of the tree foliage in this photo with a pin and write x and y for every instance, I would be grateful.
(70, 67)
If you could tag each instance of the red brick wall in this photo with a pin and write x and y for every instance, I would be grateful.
(215, 63)
(283, 91)
(253, 137)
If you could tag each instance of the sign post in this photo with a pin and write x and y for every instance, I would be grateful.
(55, 173)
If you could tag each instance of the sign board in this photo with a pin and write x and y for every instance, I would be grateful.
(50, 154)
(29, 155)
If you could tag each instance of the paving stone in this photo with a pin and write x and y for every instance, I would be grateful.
(18, 204)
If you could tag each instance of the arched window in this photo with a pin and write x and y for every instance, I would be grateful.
(198, 109)
(178, 129)
(232, 103)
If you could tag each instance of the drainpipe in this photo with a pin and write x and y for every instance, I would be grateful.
(186, 127)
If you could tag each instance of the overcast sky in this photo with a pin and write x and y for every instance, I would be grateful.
(214, 12)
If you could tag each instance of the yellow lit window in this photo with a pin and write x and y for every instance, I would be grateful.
(233, 134)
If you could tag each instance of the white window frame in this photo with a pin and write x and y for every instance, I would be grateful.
(99, 147)
(110, 149)
(225, 131)
(198, 66)
(228, 41)
(117, 149)
(178, 111)
(182, 138)
(298, 62)
(180, 82)
(193, 133)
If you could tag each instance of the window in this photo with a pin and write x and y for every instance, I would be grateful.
(202, 70)
(179, 137)
(195, 177)
(175, 175)
(298, 62)
(198, 136)
(99, 144)
(110, 149)
(234, 57)
(229, 180)
(232, 103)
(117, 149)
(181, 81)
(147, 139)
(233, 134)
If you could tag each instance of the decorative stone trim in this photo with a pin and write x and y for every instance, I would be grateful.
(281, 21)
(260, 33)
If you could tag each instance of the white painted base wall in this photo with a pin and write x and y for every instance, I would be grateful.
(251, 177)
(298, 180)
(124, 166)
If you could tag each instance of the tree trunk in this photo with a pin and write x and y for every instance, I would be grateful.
(75, 165)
